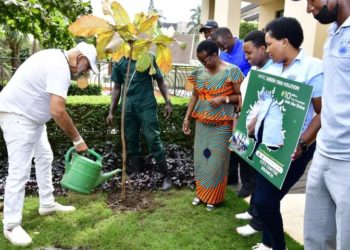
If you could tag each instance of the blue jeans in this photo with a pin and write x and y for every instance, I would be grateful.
(268, 200)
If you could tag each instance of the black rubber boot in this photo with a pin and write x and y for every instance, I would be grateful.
(167, 184)
(135, 166)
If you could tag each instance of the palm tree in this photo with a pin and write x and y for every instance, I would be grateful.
(5, 68)
(150, 6)
(151, 9)
(15, 39)
(195, 22)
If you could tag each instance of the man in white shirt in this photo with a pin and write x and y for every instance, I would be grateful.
(36, 93)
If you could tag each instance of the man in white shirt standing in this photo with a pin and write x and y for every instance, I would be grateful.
(36, 93)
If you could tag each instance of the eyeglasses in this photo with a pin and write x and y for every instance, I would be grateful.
(205, 61)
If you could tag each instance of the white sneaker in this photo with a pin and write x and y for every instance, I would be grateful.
(196, 201)
(210, 207)
(17, 236)
(244, 216)
(55, 208)
(246, 230)
(261, 246)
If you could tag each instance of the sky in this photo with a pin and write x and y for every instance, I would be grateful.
(173, 10)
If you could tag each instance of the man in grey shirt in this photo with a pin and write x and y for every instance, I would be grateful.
(327, 209)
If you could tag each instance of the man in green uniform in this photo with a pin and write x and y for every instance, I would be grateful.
(141, 115)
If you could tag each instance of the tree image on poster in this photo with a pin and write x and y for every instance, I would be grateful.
(270, 123)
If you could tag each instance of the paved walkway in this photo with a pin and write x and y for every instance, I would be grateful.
(292, 208)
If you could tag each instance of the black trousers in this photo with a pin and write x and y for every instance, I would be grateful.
(256, 222)
(246, 172)
(268, 200)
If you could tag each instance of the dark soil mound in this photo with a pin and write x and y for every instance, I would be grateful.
(135, 200)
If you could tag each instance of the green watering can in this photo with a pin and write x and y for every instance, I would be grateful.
(83, 174)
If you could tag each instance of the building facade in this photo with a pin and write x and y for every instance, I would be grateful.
(228, 14)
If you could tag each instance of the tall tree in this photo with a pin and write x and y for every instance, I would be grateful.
(195, 20)
(150, 6)
(5, 68)
(151, 9)
(46, 20)
(14, 39)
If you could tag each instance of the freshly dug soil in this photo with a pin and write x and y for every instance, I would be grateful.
(135, 200)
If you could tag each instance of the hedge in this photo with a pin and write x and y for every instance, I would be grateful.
(246, 27)
(89, 90)
(89, 115)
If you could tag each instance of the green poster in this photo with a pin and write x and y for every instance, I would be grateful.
(270, 122)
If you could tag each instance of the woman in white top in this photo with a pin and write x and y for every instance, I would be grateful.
(255, 53)
(284, 37)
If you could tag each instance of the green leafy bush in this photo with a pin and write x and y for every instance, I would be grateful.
(246, 27)
(90, 90)
(89, 114)
(90, 120)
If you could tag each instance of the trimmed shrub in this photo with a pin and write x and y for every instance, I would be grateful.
(90, 120)
(90, 90)
(246, 27)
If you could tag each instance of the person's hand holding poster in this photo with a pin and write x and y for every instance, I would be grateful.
(270, 123)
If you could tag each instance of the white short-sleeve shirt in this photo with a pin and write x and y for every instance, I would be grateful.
(28, 92)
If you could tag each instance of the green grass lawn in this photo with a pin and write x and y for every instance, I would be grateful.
(174, 224)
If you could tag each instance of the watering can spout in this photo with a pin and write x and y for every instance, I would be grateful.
(106, 176)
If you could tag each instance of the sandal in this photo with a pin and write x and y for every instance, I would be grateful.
(196, 201)
(210, 207)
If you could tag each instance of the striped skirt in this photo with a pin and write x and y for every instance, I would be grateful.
(211, 161)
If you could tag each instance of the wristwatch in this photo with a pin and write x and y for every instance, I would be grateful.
(303, 145)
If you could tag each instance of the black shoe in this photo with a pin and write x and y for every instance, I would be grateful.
(167, 184)
(243, 193)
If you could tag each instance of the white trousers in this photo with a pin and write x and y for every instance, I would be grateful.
(25, 140)
(327, 208)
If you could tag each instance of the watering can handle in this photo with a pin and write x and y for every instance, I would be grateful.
(70, 151)
(98, 157)
(67, 158)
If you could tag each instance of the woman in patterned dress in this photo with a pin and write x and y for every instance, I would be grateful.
(215, 95)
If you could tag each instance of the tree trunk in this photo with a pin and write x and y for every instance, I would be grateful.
(34, 46)
(124, 149)
(15, 49)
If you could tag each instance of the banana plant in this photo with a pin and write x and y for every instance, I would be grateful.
(118, 37)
